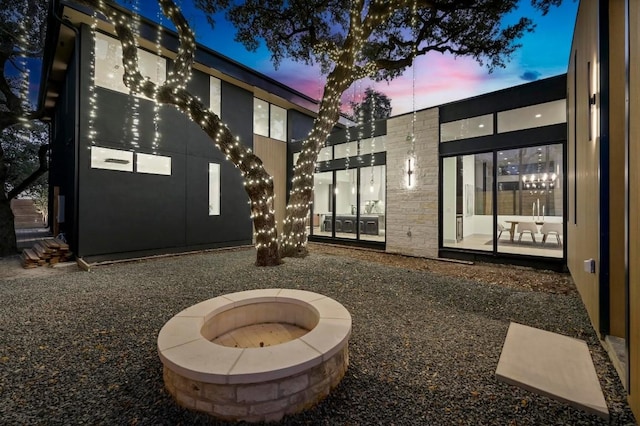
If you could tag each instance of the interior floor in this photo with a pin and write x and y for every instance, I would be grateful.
(484, 242)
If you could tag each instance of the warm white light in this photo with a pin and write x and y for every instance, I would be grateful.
(481, 126)
(538, 115)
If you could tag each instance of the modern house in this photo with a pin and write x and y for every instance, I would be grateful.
(541, 174)
(426, 184)
(603, 173)
(130, 178)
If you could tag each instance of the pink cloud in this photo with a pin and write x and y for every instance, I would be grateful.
(439, 79)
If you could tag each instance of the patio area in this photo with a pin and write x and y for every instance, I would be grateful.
(80, 347)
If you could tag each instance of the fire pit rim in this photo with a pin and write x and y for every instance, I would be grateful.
(184, 349)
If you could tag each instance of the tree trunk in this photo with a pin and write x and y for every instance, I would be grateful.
(294, 234)
(258, 184)
(42, 169)
(8, 245)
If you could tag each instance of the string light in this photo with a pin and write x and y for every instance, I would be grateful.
(133, 98)
(25, 73)
(257, 182)
(411, 155)
(93, 93)
(156, 105)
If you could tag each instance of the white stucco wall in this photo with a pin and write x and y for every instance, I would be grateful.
(412, 213)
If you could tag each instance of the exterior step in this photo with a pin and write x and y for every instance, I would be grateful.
(25, 214)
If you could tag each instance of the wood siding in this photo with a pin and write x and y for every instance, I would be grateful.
(274, 157)
(583, 158)
(616, 169)
(634, 208)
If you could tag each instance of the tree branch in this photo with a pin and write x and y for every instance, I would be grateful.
(44, 166)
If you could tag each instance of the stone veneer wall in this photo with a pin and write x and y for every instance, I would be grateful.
(260, 402)
(412, 213)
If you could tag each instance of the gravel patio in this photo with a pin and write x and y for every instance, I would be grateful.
(80, 348)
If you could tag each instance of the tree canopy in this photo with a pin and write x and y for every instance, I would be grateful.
(377, 39)
(374, 106)
(384, 35)
(351, 40)
(22, 32)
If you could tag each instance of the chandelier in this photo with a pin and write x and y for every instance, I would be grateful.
(539, 182)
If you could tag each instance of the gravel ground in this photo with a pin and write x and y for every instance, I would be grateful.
(80, 348)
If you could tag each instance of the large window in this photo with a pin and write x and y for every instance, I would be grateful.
(533, 116)
(528, 117)
(269, 120)
(528, 214)
(467, 201)
(467, 128)
(530, 200)
(372, 203)
(346, 193)
(359, 196)
(108, 64)
(323, 204)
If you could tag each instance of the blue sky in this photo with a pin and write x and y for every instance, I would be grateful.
(438, 78)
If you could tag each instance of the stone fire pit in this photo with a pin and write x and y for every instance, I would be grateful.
(255, 355)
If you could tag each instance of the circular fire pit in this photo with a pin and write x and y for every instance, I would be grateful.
(255, 355)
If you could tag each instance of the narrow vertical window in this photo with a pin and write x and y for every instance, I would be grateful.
(278, 123)
(260, 117)
(214, 189)
(589, 94)
(215, 95)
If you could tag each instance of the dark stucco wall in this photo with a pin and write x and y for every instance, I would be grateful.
(123, 214)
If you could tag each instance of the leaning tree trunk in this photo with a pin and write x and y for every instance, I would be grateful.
(293, 242)
(8, 245)
(258, 183)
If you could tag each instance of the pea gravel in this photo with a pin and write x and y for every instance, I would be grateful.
(80, 348)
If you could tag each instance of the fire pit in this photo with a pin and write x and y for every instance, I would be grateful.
(255, 355)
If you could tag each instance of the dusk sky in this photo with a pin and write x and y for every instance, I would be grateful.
(438, 78)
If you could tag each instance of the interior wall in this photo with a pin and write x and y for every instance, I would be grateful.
(583, 158)
(449, 199)
(468, 179)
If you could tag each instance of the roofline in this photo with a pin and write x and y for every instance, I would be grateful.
(203, 56)
(505, 90)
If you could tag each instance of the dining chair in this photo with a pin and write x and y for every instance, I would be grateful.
(527, 227)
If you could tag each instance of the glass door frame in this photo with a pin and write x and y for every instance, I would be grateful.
(494, 253)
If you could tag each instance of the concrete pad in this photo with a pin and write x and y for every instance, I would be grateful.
(553, 365)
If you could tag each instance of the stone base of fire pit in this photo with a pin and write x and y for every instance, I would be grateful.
(230, 357)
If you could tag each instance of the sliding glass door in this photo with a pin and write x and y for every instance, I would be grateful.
(350, 204)
(526, 186)
(467, 201)
(530, 200)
